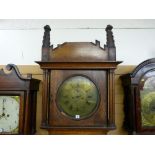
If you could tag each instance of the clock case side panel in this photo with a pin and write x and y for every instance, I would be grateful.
(30, 112)
(111, 98)
(46, 98)
(13, 83)
(129, 104)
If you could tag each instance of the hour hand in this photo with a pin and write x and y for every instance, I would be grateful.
(3, 116)
(89, 102)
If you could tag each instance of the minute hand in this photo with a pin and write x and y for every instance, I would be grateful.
(3, 106)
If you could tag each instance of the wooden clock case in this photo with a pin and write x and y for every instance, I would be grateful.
(85, 59)
(12, 83)
(133, 83)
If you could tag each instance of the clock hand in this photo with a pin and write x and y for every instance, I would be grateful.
(3, 105)
(89, 102)
(3, 115)
(3, 108)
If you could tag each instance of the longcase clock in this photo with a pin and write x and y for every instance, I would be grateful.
(78, 86)
(18, 97)
(139, 101)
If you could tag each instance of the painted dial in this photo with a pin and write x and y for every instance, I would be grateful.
(9, 114)
(78, 97)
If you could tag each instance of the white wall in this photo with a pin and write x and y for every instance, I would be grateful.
(21, 40)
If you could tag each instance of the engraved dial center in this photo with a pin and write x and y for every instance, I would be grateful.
(77, 97)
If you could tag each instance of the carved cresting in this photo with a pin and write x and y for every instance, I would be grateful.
(46, 43)
(9, 67)
(110, 43)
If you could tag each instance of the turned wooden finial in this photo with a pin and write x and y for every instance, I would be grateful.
(46, 38)
(110, 39)
(46, 43)
(109, 27)
(110, 45)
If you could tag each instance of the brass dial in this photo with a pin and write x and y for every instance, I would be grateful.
(77, 97)
(147, 97)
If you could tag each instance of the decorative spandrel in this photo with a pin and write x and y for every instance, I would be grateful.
(147, 97)
(78, 97)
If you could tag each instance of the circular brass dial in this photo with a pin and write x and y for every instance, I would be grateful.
(77, 97)
(148, 108)
(147, 98)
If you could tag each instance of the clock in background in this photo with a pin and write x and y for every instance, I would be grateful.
(18, 99)
(139, 100)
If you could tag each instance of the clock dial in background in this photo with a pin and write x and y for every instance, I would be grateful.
(147, 96)
(9, 114)
(78, 97)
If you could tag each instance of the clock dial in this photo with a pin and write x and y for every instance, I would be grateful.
(9, 114)
(78, 97)
(147, 95)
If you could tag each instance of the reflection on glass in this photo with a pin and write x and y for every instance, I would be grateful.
(147, 96)
(77, 97)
